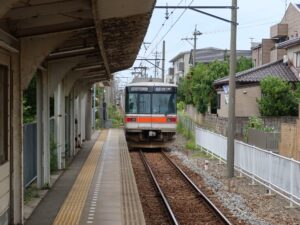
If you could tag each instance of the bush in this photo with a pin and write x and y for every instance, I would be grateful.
(278, 98)
(181, 106)
(257, 124)
(115, 115)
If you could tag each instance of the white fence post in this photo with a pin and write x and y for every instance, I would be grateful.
(291, 182)
(270, 172)
(252, 168)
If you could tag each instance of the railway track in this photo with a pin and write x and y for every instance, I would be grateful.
(184, 202)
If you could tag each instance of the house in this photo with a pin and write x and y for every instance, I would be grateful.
(248, 87)
(180, 67)
(183, 61)
(278, 56)
(287, 31)
(210, 54)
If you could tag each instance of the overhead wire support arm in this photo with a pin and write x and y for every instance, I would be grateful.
(196, 9)
(214, 16)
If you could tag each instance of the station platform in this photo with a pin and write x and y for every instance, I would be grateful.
(102, 192)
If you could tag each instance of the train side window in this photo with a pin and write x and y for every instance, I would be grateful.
(3, 114)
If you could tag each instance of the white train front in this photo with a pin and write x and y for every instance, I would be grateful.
(150, 114)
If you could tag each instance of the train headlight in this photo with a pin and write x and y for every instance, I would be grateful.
(130, 119)
(171, 119)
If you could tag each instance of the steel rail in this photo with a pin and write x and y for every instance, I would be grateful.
(201, 194)
(162, 195)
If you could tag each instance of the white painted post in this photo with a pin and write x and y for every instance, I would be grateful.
(39, 121)
(252, 168)
(206, 165)
(291, 182)
(270, 172)
(59, 99)
(46, 127)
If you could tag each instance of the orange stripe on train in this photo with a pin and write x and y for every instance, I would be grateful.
(151, 119)
(148, 119)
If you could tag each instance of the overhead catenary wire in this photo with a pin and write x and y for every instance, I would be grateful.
(170, 29)
(161, 27)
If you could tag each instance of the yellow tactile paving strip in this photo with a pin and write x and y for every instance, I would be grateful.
(70, 212)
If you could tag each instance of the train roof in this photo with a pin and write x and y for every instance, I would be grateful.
(150, 84)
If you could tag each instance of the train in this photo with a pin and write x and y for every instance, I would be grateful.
(150, 114)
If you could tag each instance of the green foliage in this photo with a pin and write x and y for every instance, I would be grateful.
(243, 64)
(115, 115)
(184, 91)
(278, 98)
(181, 106)
(197, 87)
(53, 155)
(257, 124)
(30, 193)
(187, 133)
(29, 102)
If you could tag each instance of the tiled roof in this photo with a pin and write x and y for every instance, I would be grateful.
(180, 55)
(207, 55)
(289, 43)
(254, 75)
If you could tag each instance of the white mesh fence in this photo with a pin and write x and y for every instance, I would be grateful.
(276, 172)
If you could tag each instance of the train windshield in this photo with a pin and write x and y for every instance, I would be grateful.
(139, 103)
(150, 100)
(163, 103)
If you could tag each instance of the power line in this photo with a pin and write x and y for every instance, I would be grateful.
(162, 25)
(170, 28)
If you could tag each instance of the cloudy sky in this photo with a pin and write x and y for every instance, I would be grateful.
(254, 17)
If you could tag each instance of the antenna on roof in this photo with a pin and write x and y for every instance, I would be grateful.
(251, 41)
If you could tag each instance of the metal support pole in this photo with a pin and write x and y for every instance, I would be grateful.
(196, 33)
(231, 110)
(163, 61)
(94, 107)
(155, 62)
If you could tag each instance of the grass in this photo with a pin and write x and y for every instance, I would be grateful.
(191, 145)
(30, 193)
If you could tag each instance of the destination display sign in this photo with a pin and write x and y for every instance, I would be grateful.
(139, 89)
(164, 89)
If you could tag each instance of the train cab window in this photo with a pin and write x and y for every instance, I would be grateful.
(3, 114)
(164, 103)
(132, 103)
(144, 104)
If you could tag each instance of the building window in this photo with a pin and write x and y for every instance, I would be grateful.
(3, 114)
(218, 101)
(297, 59)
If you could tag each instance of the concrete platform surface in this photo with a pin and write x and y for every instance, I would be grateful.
(102, 191)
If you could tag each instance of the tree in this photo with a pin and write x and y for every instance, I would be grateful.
(243, 64)
(197, 87)
(278, 98)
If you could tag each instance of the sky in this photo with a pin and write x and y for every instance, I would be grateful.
(254, 17)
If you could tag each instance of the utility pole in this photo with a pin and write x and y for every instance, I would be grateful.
(163, 61)
(155, 62)
(231, 110)
(196, 33)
